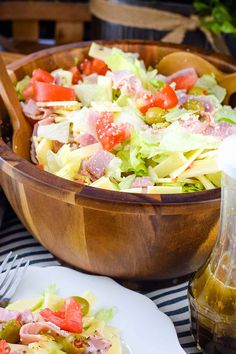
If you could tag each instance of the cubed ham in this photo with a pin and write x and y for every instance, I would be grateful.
(85, 139)
(126, 82)
(32, 111)
(98, 163)
(96, 344)
(8, 315)
(142, 182)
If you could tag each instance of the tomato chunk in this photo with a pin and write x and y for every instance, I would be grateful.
(110, 134)
(4, 347)
(185, 82)
(42, 76)
(91, 66)
(46, 92)
(76, 75)
(165, 98)
(68, 319)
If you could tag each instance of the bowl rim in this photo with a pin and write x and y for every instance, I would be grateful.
(26, 171)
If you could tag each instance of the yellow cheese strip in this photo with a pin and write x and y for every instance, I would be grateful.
(205, 181)
(170, 164)
(191, 157)
(164, 189)
(103, 182)
(42, 149)
(201, 167)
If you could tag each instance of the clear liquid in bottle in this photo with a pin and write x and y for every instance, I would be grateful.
(212, 292)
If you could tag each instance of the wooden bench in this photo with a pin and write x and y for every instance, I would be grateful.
(25, 16)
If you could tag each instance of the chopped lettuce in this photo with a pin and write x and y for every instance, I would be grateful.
(226, 114)
(177, 113)
(176, 138)
(105, 314)
(21, 86)
(79, 119)
(59, 131)
(196, 187)
(118, 60)
(209, 82)
(130, 115)
(126, 182)
(100, 91)
(63, 77)
(113, 170)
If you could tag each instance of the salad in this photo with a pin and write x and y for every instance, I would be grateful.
(50, 324)
(110, 122)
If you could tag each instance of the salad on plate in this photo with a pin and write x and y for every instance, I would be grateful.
(50, 324)
(110, 122)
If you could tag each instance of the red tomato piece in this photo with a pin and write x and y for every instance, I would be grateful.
(110, 134)
(185, 82)
(46, 92)
(29, 91)
(76, 75)
(42, 76)
(68, 319)
(40, 166)
(4, 347)
(165, 98)
(91, 66)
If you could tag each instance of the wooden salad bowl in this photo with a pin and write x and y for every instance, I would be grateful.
(123, 235)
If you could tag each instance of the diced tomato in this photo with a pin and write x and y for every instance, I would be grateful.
(110, 134)
(47, 92)
(29, 91)
(42, 76)
(165, 98)
(185, 82)
(76, 75)
(68, 319)
(91, 66)
(4, 347)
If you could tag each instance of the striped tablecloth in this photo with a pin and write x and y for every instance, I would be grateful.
(172, 301)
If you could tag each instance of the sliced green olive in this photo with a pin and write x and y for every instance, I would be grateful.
(10, 331)
(155, 115)
(197, 91)
(83, 302)
(193, 105)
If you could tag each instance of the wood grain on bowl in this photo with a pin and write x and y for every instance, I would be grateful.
(21, 128)
(131, 236)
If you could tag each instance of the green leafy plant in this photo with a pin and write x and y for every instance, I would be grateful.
(217, 16)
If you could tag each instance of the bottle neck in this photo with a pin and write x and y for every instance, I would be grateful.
(223, 259)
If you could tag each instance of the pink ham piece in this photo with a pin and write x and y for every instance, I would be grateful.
(31, 332)
(27, 316)
(8, 315)
(93, 116)
(97, 345)
(46, 121)
(98, 163)
(126, 82)
(85, 139)
(182, 73)
(32, 111)
(142, 182)
(208, 126)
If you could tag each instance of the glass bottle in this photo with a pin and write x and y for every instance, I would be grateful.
(212, 291)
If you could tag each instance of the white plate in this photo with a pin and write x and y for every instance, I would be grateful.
(143, 327)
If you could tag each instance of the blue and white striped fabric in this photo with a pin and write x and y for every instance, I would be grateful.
(172, 300)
